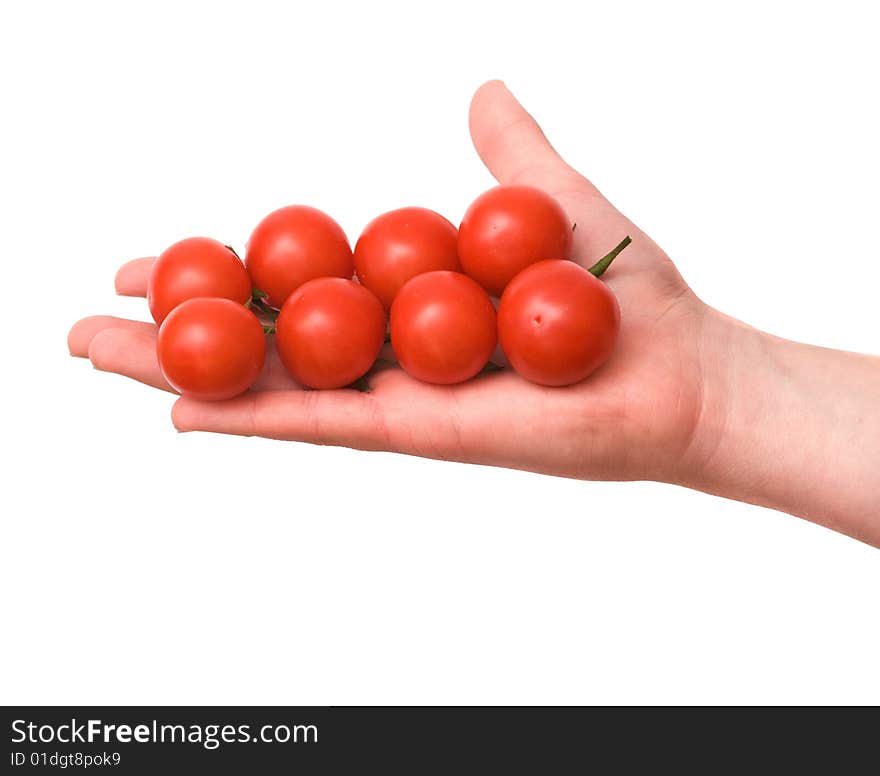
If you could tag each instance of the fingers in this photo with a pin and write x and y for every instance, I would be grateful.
(128, 348)
(130, 353)
(344, 417)
(463, 423)
(131, 279)
(84, 331)
(512, 145)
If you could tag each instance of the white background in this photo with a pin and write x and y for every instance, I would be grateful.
(142, 566)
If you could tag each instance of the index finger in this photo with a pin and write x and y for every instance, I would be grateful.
(131, 279)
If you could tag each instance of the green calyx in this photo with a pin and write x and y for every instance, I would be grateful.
(600, 266)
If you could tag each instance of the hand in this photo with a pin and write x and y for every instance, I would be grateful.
(636, 412)
(659, 409)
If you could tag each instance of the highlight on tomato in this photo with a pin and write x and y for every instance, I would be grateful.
(396, 246)
(557, 322)
(508, 228)
(195, 267)
(211, 349)
(329, 332)
(293, 245)
(443, 327)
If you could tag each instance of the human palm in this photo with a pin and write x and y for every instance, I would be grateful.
(632, 419)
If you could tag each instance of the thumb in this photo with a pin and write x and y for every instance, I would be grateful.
(512, 145)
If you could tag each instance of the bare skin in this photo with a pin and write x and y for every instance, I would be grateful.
(690, 396)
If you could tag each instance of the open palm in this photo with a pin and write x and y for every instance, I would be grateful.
(630, 420)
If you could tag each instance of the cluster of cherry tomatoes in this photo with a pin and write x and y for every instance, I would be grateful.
(328, 306)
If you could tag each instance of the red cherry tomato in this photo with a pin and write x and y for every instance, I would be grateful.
(557, 323)
(443, 327)
(293, 245)
(211, 349)
(329, 332)
(397, 246)
(197, 266)
(508, 228)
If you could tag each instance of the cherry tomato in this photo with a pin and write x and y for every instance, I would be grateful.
(506, 229)
(329, 332)
(211, 349)
(557, 323)
(293, 245)
(397, 246)
(443, 327)
(197, 266)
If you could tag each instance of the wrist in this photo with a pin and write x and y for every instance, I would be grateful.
(787, 426)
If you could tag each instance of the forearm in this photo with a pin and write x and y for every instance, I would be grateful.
(789, 426)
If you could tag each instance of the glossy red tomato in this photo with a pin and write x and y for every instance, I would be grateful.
(329, 332)
(397, 246)
(506, 229)
(293, 245)
(197, 266)
(443, 327)
(211, 349)
(557, 323)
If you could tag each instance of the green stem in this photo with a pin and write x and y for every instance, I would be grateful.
(600, 266)
(263, 311)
